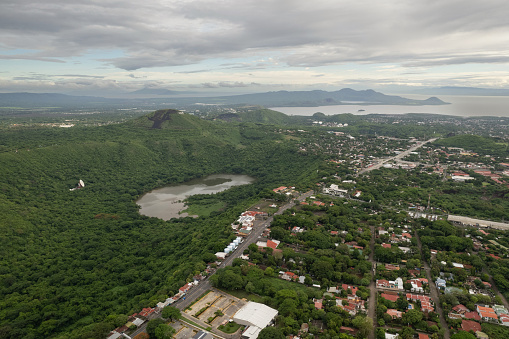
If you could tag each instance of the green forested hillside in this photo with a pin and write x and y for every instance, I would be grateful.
(73, 261)
(476, 143)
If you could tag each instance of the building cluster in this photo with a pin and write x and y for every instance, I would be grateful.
(245, 223)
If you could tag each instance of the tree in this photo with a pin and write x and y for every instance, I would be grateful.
(288, 307)
(170, 312)
(269, 271)
(271, 333)
(152, 326)
(463, 335)
(412, 317)
(164, 331)
(406, 333)
(401, 304)
(364, 324)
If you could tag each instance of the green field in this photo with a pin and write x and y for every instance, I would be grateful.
(204, 210)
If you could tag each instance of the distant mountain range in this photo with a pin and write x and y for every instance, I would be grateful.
(155, 91)
(475, 91)
(344, 96)
(269, 99)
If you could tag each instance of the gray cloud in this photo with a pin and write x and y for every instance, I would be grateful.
(156, 33)
(227, 84)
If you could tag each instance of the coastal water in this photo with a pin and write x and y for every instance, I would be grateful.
(166, 202)
(465, 106)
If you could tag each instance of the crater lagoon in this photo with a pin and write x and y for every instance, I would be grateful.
(166, 202)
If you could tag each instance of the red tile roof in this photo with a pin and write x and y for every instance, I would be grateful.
(390, 297)
(460, 309)
(472, 315)
(271, 244)
(394, 313)
(469, 325)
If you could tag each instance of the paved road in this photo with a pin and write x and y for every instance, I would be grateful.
(205, 285)
(396, 157)
(495, 288)
(372, 287)
(434, 292)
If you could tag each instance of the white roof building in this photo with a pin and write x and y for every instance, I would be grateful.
(138, 321)
(115, 335)
(255, 315)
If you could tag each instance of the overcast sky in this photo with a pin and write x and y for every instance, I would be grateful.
(225, 46)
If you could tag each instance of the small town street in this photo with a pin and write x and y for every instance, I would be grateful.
(204, 285)
(434, 293)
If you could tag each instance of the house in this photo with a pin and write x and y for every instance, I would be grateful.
(352, 288)
(146, 312)
(386, 245)
(487, 313)
(423, 336)
(290, 276)
(390, 267)
(455, 316)
(318, 303)
(273, 243)
(460, 309)
(405, 249)
(335, 190)
(394, 285)
(333, 289)
(504, 319)
(417, 284)
(351, 309)
(185, 288)
(441, 283)
(500, 309)
(395, 314)
(426, 305)
(345, 329)
(494, 256)
(390, 297)
(472, 315)
(469, 325)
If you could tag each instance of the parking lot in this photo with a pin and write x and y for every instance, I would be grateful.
(213, 301)
(183, 331)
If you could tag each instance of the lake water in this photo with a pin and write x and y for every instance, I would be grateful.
(464, 106)
(165, 203)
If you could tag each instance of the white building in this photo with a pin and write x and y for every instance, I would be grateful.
(256, 316)
(335, 190)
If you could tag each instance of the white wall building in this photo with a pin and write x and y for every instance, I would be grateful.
(256, 316)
